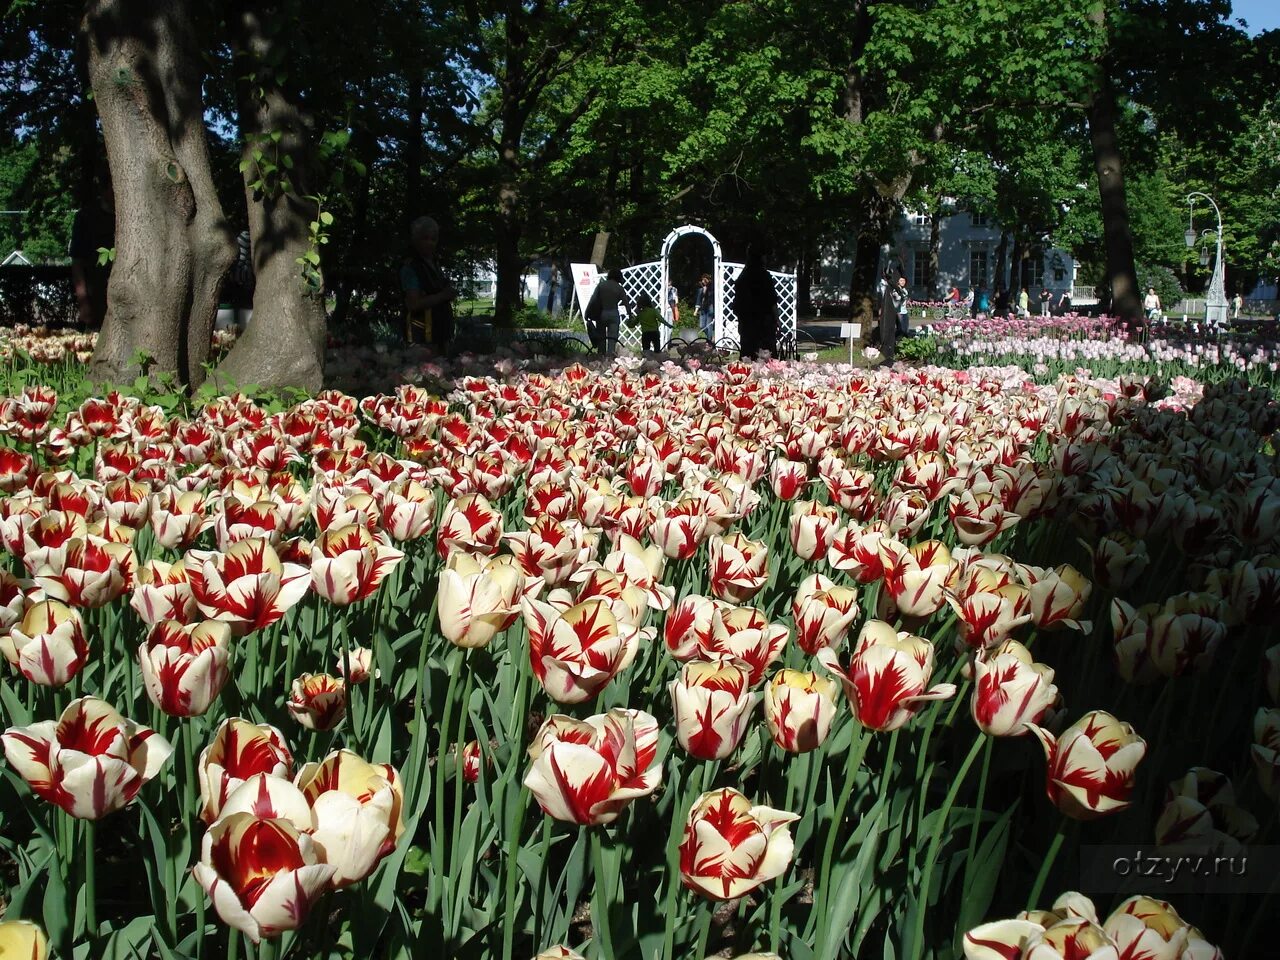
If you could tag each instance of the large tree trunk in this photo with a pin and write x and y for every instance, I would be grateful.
(1015, 267)
(173, 244)
(284, 342)
(509, 226)
(870, 260)
(1121, 275)
(935, 250)
(1002, 251)
(804, 278)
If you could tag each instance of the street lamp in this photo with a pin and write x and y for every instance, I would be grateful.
(1216, 303)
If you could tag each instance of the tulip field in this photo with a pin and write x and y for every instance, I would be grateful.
(642, 662)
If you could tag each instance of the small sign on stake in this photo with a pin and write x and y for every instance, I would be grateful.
(851, 332)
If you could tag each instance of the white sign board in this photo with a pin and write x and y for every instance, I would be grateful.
(585, 278)
(850, 331)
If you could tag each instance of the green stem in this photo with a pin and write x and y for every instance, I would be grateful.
(515, 811)
(1047, 865)
(90, 882)
(601, 898)
(917, 938)
(853, 762)
(978, 805)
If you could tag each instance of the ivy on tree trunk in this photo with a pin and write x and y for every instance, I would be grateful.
(284, 343)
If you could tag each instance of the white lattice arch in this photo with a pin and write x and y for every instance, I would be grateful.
(654, 278)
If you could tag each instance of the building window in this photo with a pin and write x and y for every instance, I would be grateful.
(1037, 272)
(920, 269)
(980, 219)
(1059, 274)
(977, 268)
(920, 219)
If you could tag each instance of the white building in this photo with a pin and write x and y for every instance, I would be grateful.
(967, 258)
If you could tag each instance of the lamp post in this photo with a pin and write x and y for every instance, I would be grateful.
(1215, 308)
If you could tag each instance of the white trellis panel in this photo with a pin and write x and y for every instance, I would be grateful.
(784, 285)
(637, 279)
(654, 277)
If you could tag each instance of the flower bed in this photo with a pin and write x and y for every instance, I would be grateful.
(638, 661)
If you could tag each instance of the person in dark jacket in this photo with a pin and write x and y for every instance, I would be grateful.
(428, 295)
(755, 304)
(605, 307)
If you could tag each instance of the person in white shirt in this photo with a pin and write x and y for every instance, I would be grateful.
(1151, 304)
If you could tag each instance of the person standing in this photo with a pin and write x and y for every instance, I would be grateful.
(1237, 305)
(888, 317)
(428, 295)
(553, 291)
(901, 307)
(607, 301)
(755, 304)
(706, 305)
(981, 302)
(649, 320)
(1151, 304)
(673, 302)
(1024, 303)
(1045, 298)
(1002, 302)
(1064, 304)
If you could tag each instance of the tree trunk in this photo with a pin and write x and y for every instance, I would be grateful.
(284, 342)
(1121, 275)
(173, 244)
(935, 250)
(1015, 266)
(868, 262)
(804, 279)
(1002, 251)
(509, 226)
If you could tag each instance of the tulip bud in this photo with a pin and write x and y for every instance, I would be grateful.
(888, 678)
(916, 578)
(471, 525)
(799, 708)
(360, 662)
(47, 646)
(731, 847)
(788, 478)
(739, 567)
(687, 629)
(349, 563)
(318, 701)
(1010, 691)
(1091, 766)
(979, 517)
(823, 615)
(1146, 927)
(575, 652)
(587, 771)
(239, 751)
(357, 812)
(1057, 597)
(812, 529)
(262, 875)
(185, 667)
(680, 529)
(558, 953)
(713, 702)
(478, 598)
(90, 762)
